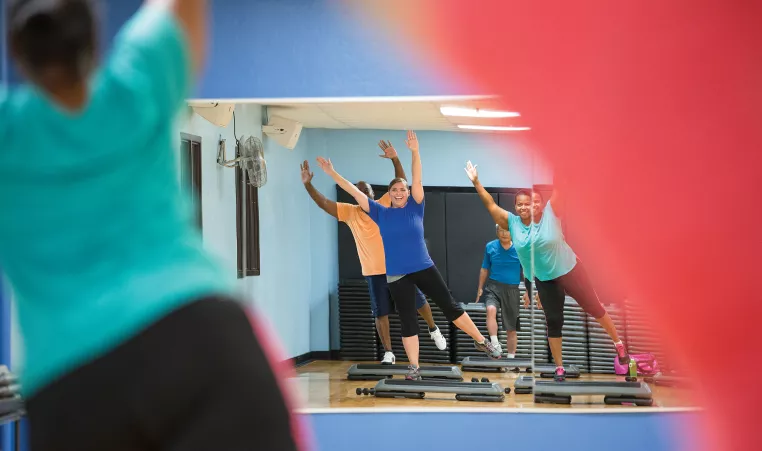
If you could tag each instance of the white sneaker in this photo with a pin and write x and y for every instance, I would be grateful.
(439, 339)
(389, 358)
(497, 346)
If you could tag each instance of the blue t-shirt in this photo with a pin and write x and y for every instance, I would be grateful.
(96, 236)
(402, 234)
(553, 257)
(503, 264)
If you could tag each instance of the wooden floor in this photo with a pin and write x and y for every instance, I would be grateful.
(323, 384)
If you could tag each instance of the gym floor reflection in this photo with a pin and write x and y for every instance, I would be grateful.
(324, 384)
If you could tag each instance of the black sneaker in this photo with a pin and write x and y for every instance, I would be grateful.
(413, 374)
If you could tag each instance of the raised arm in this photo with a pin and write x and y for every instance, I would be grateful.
(192, 16)
(346, 185)
(391, 153)
(327, 205)
(416, 187)
(556, 199)
(499, 215)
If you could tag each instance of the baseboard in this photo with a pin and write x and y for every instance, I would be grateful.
(314, 355)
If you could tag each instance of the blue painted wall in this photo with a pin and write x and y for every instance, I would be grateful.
(508, 431)
(297, 48)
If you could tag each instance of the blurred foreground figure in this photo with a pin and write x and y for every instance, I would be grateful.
(132, 337)
(650, 110)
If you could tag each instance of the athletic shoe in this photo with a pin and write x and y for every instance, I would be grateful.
(413, 374)
(488, 348)
(389, 358)
(560, 375)
(439, 339)
(498, 347)
(621, 353)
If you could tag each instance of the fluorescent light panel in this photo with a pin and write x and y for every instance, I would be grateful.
(475, 112)
(494, 128)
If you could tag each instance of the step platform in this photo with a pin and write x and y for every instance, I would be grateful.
(485, 364)
(378, 371)
(614, 392)
(463, 391)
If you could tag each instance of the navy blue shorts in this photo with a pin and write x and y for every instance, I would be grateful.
(381, 298)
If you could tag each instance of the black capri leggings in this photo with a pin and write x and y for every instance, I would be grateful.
(431, 283)
(576, 284)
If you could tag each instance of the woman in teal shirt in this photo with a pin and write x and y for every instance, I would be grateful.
(132, 338)
(557, 271)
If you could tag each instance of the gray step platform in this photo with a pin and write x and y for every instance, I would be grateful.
(614, 392)
(378, 371)
(463, 391)
(473, 363)
(486, 364)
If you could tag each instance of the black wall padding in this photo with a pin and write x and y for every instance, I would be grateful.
(469, 229)
(359, 339)
(435, 227)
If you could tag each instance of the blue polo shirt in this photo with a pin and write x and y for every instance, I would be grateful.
(503, 264)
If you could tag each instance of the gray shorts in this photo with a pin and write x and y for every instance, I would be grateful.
(506, 298)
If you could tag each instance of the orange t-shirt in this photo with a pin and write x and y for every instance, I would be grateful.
(370, 247)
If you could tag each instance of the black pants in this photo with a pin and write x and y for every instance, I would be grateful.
(198, 379)
(431, 283)
(576, 284)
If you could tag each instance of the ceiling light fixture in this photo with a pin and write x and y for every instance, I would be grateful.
(494, 128)
(475, 112)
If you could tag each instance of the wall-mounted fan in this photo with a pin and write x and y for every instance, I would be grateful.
(250, 156)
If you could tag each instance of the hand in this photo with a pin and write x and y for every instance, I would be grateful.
(412, 141)
(471, 172)
(306, 174)
(326, 165)
(388, 149)
(537, 298)
(478, 294)
(525, 298)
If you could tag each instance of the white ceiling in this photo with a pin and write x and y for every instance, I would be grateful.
(386, 114)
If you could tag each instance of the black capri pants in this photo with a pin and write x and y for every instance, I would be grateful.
(431, 283)
(576, 284)
(199, 379)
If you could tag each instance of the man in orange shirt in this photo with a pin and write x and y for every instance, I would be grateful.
(370, 249)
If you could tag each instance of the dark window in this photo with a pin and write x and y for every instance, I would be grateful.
(252, 225)
(190, 171)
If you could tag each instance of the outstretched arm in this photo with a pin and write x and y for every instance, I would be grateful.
(327, 205)
(391, 153)
(346, 185)
(416, 188)
(192, 16)
(556, 199)
(499, 215)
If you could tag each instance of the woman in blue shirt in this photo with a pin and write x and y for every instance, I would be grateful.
(557, 271)
(408, 263)
(131, 336)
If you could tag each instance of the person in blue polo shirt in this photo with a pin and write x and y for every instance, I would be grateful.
(499, 280)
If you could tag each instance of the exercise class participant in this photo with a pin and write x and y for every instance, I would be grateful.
(499, 279)
(132, 339)
(408, 263)
(557, 271)
(370, 250)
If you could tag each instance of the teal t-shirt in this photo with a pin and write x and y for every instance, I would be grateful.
(553, 257)
(97, 239)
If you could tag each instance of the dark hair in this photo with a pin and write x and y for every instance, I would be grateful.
(526, 192)
(395, 181)
(58, 34)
